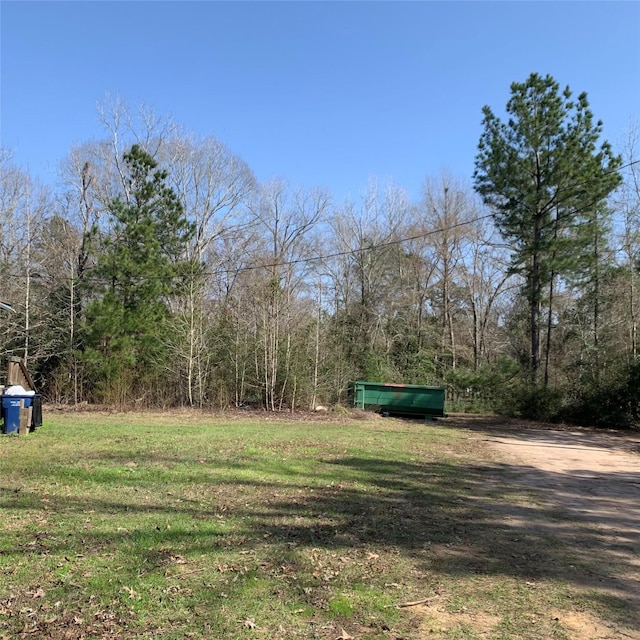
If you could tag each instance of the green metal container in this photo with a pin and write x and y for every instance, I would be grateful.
(400, 399)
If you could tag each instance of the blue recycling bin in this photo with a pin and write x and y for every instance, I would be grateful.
(11, 412)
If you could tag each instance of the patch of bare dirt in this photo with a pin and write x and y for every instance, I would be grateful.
(583, 625)
(438, 622)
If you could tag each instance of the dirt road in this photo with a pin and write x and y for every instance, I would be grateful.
(591, 479)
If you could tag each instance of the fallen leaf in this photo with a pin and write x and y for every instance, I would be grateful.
(344, 635)
(249, 624)
(130, 591)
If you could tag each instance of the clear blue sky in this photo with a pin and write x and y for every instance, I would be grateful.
(320, 93)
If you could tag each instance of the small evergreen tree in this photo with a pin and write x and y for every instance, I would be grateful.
(140, 264)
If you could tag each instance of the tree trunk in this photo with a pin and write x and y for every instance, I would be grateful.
(547, 354)
(534, 328)
(534, 298)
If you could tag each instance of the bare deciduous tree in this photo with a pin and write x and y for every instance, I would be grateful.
(285, 221)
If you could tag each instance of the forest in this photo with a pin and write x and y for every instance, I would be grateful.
(157, 272)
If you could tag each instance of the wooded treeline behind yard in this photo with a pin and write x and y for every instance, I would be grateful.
(159, 273)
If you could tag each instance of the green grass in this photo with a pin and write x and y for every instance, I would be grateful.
(187, 526)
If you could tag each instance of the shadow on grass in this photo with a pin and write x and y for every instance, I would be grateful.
(408, 505)
(456, 519)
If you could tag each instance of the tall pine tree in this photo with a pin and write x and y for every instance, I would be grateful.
(542, 173)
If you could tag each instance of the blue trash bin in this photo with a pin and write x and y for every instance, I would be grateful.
(11, 412)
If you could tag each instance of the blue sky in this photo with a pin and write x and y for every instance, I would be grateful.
(325, 94)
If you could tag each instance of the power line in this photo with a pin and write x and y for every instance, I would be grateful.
(317, 258)
(372, 247)
(347, 252)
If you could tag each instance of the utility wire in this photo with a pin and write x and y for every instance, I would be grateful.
(372, 247)
(317, 258)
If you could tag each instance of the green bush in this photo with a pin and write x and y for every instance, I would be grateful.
(483, 390)
(614, 403)
(532, 401)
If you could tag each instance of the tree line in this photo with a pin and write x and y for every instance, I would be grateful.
(158, 272)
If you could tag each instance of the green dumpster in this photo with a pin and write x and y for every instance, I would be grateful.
(400, 399)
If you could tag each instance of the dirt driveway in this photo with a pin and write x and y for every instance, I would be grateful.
(591, 480)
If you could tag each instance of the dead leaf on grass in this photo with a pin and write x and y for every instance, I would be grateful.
(249, 624)
(131, 592)
(344, 635)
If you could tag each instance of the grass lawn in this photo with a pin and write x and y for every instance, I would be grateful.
(195, 526)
